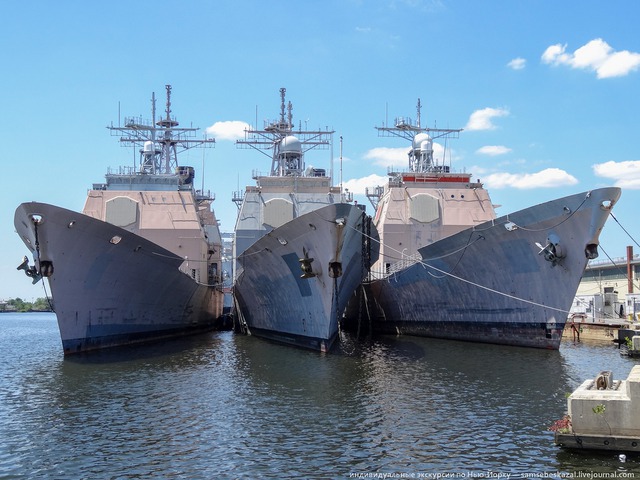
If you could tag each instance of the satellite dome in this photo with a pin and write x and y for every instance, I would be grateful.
(290, 144)
(426, 146)
(149, 147)
(421, 141)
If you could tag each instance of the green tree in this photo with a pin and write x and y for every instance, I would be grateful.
(41, 305)
(19, 305)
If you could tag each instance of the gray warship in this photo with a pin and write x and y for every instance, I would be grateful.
(449, 268)
(143, 260)
(301, 246)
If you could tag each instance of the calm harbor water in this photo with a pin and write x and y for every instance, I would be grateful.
(222, 405)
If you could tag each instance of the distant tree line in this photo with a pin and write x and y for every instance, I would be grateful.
(19, 305)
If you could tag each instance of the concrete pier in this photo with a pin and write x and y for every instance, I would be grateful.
(605, 414)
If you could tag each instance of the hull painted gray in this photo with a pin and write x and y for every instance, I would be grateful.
(277, 303)
(491, 283)
(108, 294)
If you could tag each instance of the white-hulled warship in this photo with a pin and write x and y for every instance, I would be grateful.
(448, 268)
(301, 247)
(143, 259)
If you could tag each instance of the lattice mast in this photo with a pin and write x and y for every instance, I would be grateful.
(286, 145)
(421, 153)
(159, 142)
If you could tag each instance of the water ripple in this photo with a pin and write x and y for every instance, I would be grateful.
(226, 406)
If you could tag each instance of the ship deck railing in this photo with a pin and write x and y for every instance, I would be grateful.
(396, 267)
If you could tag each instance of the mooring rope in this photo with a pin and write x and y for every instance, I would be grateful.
(44, 287)
(618, 267)
(625, 231)
(483, 287)
(573, 212)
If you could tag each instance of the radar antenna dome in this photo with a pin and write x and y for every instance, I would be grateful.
(422, 141)
(290, 144)
(149, 147)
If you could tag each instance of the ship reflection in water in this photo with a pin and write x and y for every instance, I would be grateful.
(233, 406)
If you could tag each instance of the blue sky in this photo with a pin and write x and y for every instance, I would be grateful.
(547, 92)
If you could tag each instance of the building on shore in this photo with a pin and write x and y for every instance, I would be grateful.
(607, 299)
(609, 288)
(6, 306)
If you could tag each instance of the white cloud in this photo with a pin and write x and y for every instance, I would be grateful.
(493, 150)
(388, 157)
(555, 55)
(550, 177)
(358, 185)
(597, 55)
(229, 130)
(625, 174)
(481, 119)
(398, 157)
(619, 64)
(478, 170)
(517, 63)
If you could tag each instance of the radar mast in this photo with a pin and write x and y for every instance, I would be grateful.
(421, 153)
(287, 146)
(159, 142)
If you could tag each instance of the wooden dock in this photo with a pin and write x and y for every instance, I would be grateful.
(606, 331)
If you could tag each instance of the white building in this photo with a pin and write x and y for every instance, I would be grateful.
(610, 288)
